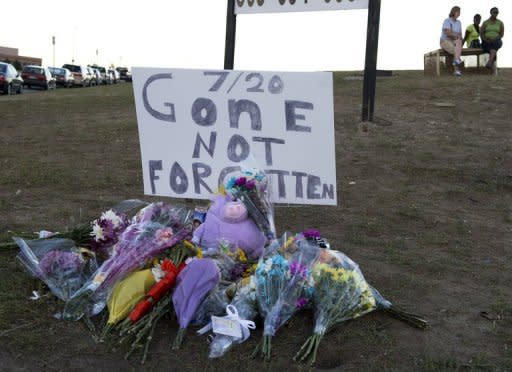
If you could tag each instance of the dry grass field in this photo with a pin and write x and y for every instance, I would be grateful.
(425, 209)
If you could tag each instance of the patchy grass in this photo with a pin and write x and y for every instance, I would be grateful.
(425, 196)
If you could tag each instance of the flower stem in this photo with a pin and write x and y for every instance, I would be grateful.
(179, 339)
(409, 318)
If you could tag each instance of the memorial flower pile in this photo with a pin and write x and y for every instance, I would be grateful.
(223, 271)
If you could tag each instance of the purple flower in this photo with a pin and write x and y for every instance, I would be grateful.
(240, 181)
(60, 261)
(251, 184)
(238, 271)
(311, 234)
(301, 302)
(297, 269)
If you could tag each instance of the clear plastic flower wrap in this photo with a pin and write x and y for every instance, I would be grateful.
(214, 304)
(283, 285)
(252, 187)
(58, 263)
(245, 304)
(153, 229)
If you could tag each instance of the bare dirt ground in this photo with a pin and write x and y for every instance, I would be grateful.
(425, 209)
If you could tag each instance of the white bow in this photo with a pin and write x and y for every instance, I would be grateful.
(232, 314)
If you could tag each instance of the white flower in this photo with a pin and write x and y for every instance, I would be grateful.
(157, 272)
(268, 265)
(112, 217)
(252, 283)
(97, 231)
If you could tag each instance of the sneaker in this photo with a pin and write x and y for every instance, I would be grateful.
(457, 73)
(456, 62)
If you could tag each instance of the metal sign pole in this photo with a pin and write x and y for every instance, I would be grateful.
(229, 50)
(370, 69)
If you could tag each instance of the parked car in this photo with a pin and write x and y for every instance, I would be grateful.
(92, 75)
(124, 74)
(10, 79)
(106, 76)
(80, 73)
(115, 76)
(63, 76)
(38, 76)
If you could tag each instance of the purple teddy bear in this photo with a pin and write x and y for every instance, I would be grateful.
(228, 220)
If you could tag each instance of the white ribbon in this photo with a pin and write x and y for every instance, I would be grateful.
(232, 314)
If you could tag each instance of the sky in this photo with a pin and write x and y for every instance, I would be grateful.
(191, 34)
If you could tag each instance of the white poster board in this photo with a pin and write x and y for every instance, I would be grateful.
(281, 6)
(197, 127)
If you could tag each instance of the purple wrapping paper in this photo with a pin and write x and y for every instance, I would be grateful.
(193, 284)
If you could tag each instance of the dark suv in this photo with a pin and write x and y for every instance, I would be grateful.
(10, 79)
(124, 74)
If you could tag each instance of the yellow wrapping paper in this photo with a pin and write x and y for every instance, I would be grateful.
(127, 293)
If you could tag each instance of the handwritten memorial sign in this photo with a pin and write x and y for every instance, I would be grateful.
(279, 6)
(197, 128)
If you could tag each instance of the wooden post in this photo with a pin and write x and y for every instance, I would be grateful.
(229, 48)
(370, 69)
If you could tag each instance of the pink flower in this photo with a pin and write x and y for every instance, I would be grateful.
(162, 235)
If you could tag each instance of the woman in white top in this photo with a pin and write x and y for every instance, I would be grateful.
(451, 38)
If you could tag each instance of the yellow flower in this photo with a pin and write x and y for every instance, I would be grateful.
(289, 242)
(241, 255)
(199, 253)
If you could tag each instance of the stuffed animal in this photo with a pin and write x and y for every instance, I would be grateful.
(228, 220)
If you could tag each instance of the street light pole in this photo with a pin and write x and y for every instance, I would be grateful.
(73, 45)
(53, 43)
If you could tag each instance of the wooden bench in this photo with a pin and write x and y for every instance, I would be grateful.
(433, 61)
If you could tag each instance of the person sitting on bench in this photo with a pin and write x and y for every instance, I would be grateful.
(472, 36)
(492, 33)
(451, 38)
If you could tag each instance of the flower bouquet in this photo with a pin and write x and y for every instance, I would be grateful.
(125, 295)
(244, 309)
(140, 325)
(252, 189)
(341, 293)
(154, 229)
(194, 283)
(282, 288)
(58, 263)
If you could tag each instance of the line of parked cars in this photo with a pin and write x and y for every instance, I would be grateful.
(86, 76)
(69, 75)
